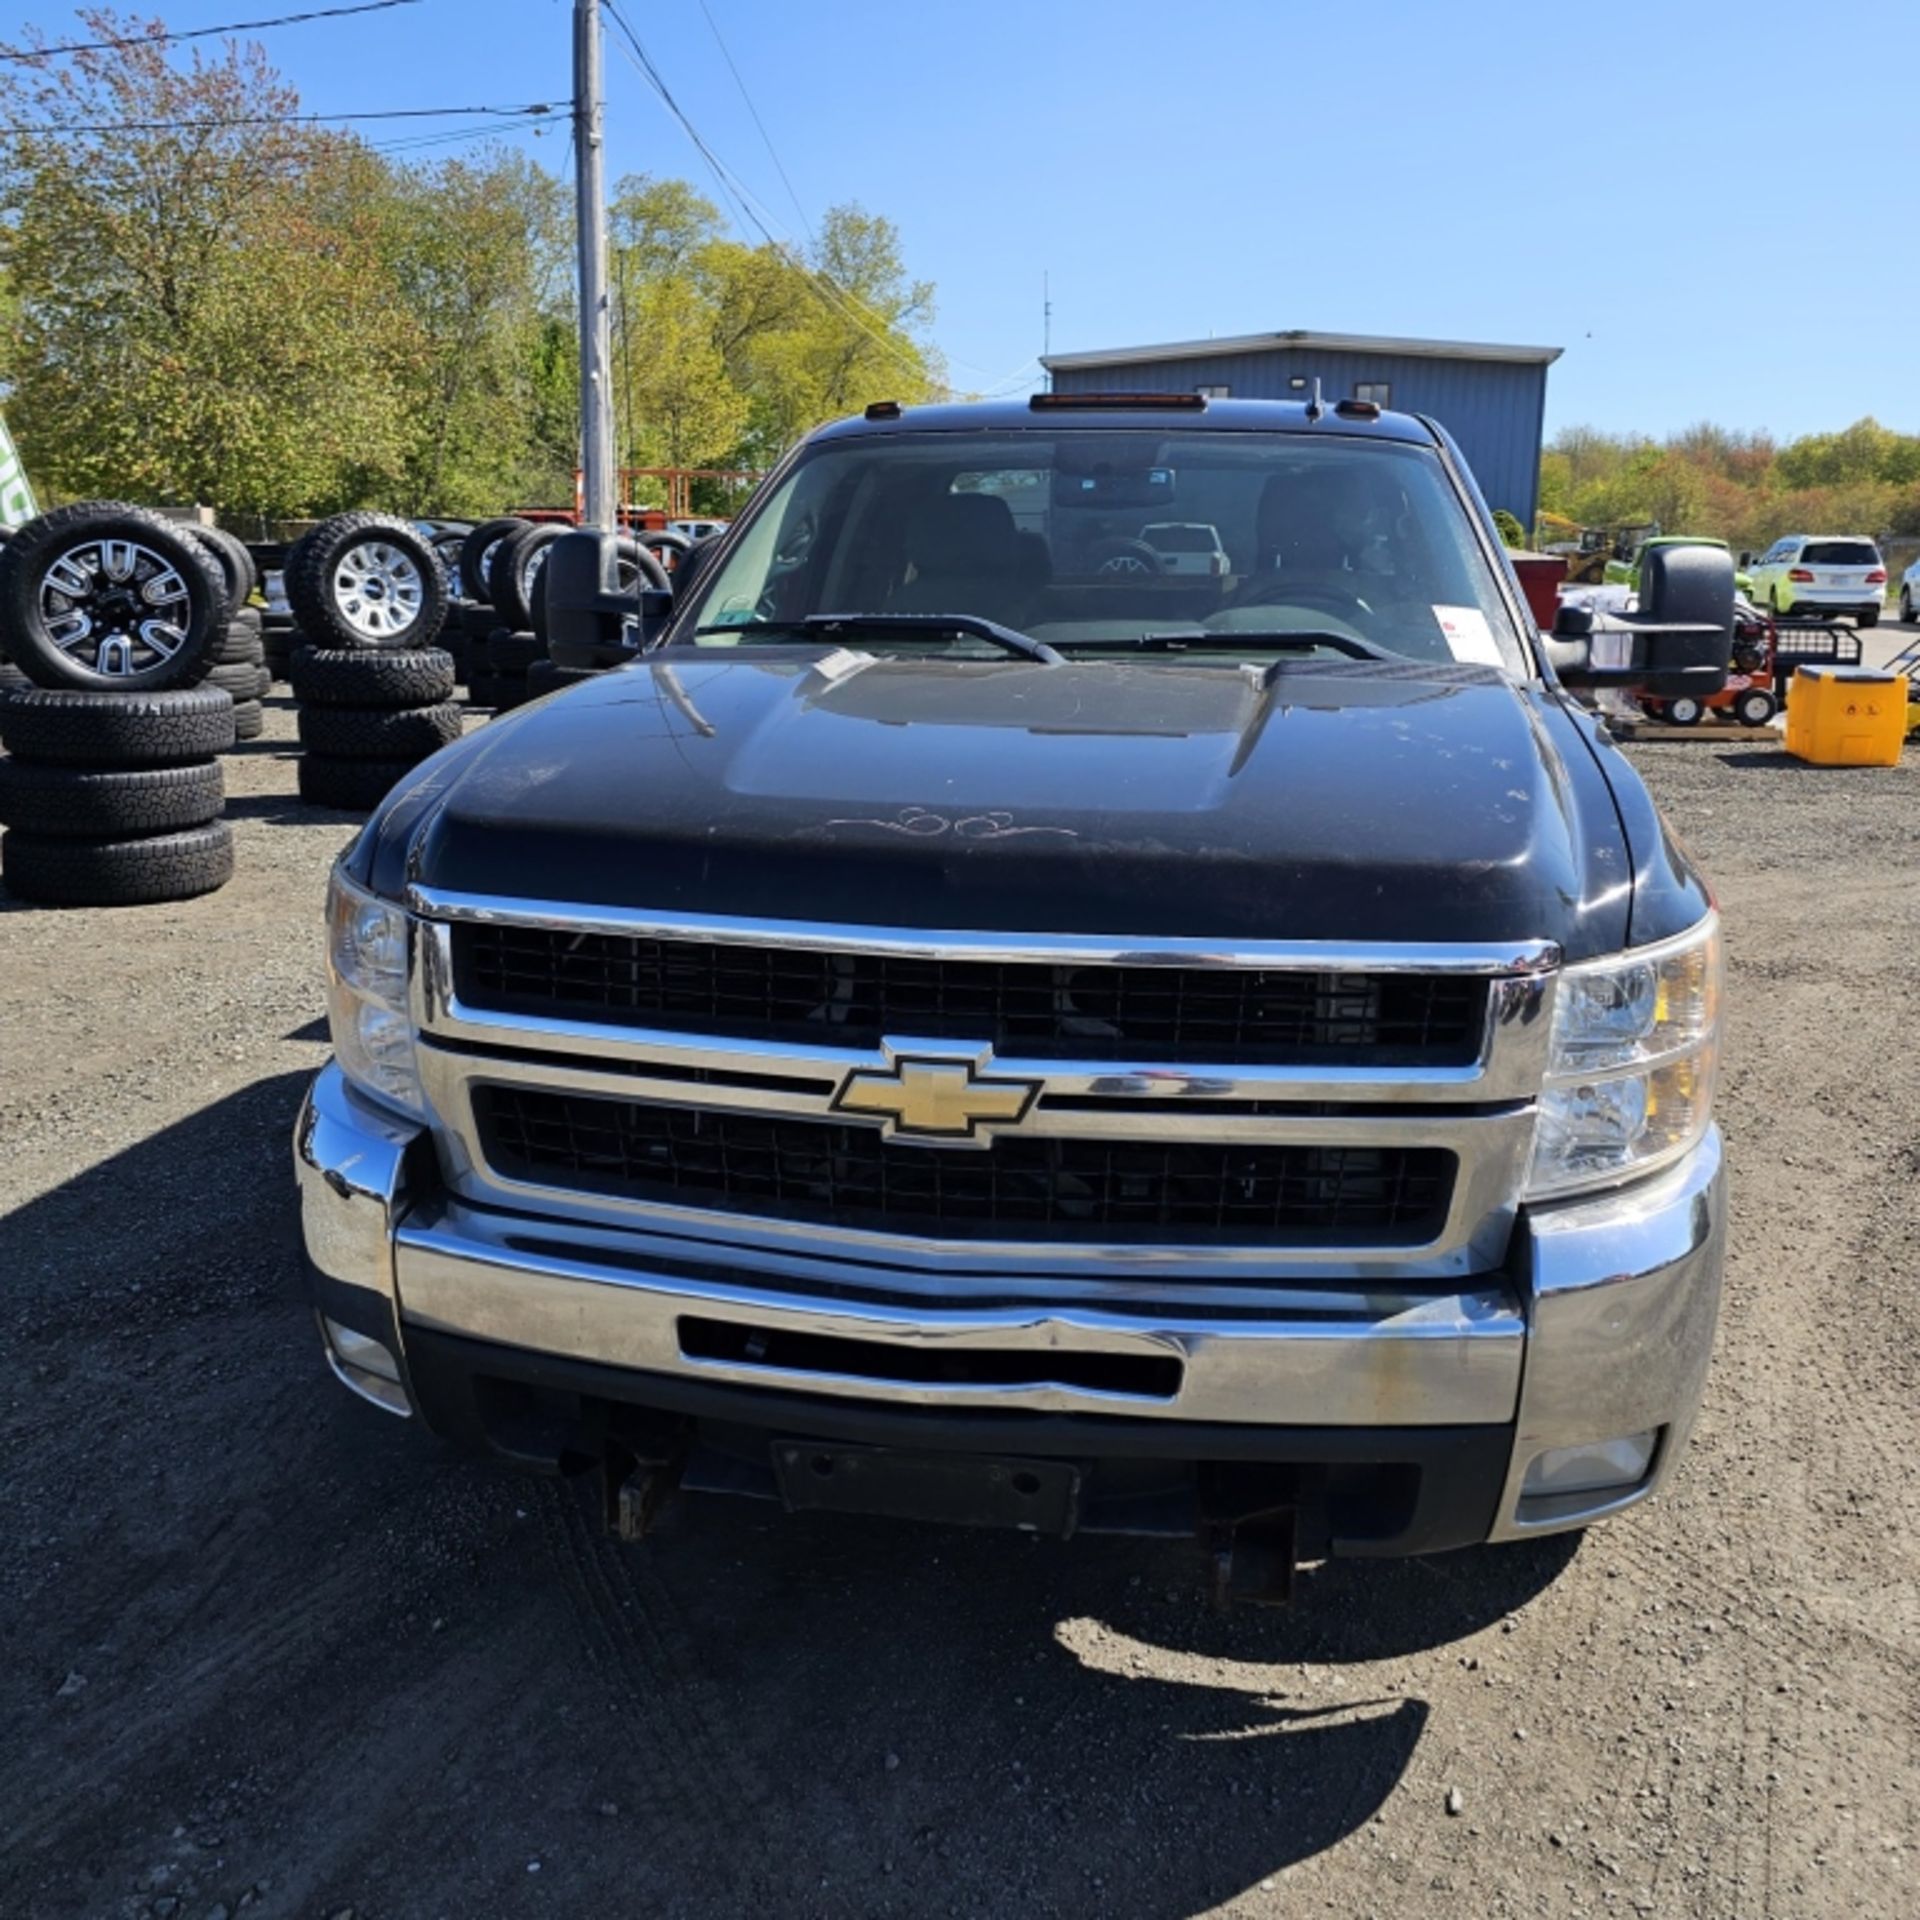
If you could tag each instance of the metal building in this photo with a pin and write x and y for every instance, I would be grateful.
(1491, 399)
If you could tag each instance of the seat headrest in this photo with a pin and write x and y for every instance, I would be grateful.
(962, 532)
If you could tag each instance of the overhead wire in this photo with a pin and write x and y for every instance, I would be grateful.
(202, 33)
(754, 112)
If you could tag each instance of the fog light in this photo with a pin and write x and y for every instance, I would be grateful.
(364, 1364)
(1597, 1466)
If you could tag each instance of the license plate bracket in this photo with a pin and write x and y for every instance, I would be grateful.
(958, 1489)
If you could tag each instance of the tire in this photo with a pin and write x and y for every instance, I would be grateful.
(1126, 557)
(351, 786)
(547, 676)
(478, 619)
(249, 720)
(117, 873)
(476, 557)
(167, 575)
(484, 690)
(12, 678)
(359, 678)
(242, 644)
(378, 733)
(513, 653)
(1869, 616)
(241, 681)
(116, 729)
(515, 574)
(113, 803)
(1773, 603)
(1684, 711)
(368, 580)
(1755, 707)
(235, 564)
(1906, 605)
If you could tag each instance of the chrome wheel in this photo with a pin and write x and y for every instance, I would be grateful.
(377, 589)
(117, 606)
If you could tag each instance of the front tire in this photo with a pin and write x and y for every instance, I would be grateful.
(1906, 605)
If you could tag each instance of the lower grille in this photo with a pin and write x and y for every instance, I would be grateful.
(1144, 1192)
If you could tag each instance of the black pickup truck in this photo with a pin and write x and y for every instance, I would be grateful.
(978, 1020)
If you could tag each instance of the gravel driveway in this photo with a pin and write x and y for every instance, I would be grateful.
(266, 1650)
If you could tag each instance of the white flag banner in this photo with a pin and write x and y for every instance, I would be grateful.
(16, 496)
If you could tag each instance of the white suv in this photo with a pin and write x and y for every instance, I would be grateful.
(1822, 574)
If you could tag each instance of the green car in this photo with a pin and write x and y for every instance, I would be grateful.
(1626, 573)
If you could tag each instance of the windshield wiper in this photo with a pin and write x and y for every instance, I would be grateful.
(1279, 640)
(833, 626)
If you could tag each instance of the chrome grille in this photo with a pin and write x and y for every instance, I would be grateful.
(1203, 1016)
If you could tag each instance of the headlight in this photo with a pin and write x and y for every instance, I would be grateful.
(1636, 1045)
(367, 994)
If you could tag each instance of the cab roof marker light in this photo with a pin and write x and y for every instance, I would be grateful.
(1118, 402)
(884, 410)
(1357, 409)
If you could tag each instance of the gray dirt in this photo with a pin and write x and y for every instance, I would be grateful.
(268, 1651)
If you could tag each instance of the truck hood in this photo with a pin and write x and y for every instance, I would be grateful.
(1350, 801)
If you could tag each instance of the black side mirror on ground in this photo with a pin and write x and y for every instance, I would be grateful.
(1680, 641)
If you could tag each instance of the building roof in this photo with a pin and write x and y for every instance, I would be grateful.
(1299, 337)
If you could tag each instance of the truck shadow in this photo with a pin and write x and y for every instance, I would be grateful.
(241, 1603)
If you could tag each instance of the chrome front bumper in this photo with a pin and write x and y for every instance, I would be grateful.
(1600, 1324)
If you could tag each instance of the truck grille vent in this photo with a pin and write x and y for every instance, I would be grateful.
(837, 1175)
(1203, 1015)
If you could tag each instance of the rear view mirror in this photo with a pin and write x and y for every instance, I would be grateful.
(1680, 642)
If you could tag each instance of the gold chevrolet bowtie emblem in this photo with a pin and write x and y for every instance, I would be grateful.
(937, 1101)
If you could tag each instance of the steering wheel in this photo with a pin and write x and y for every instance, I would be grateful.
(1283, 594)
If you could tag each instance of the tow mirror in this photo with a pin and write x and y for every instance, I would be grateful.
(593, 621)
(1680, 641)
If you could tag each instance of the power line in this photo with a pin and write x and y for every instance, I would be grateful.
(205, 33)
(765, 136)
(273, 120)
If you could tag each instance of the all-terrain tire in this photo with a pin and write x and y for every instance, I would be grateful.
(234, 561)
(338, 677)
(117, 873)
(169, 573)
(353, 786)
(513, 653)
(476, 557)
(515, 573)
(378, 733)
(116, 729)
(108, 803)
(374, 616)
(249, 720)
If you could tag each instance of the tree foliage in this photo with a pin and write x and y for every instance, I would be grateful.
(280, 321)
(1737, 487)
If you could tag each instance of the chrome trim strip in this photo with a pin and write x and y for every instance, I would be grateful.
(1039, 949)
(1368, 1362)
(1492, 1149)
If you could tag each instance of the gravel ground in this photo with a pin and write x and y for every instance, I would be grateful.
(266, 1650)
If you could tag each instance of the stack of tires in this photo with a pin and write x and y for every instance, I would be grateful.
(239, 654)
(110, 791)
(369, 594)
(500, 568)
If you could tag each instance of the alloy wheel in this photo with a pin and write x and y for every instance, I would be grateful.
(378, 589)
(116, 605)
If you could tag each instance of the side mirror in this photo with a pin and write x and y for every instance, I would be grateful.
(593, 621)
(1680, 641)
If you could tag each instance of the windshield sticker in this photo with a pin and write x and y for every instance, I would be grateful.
(1468, 636)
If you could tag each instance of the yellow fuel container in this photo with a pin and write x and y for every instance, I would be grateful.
(1847, 716)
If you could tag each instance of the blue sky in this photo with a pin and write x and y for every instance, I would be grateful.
(1714, 208)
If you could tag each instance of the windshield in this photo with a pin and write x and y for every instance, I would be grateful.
(1079, 540)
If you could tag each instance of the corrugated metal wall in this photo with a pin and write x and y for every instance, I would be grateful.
(1494, 408)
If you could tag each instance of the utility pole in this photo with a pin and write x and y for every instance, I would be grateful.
(596, 383)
